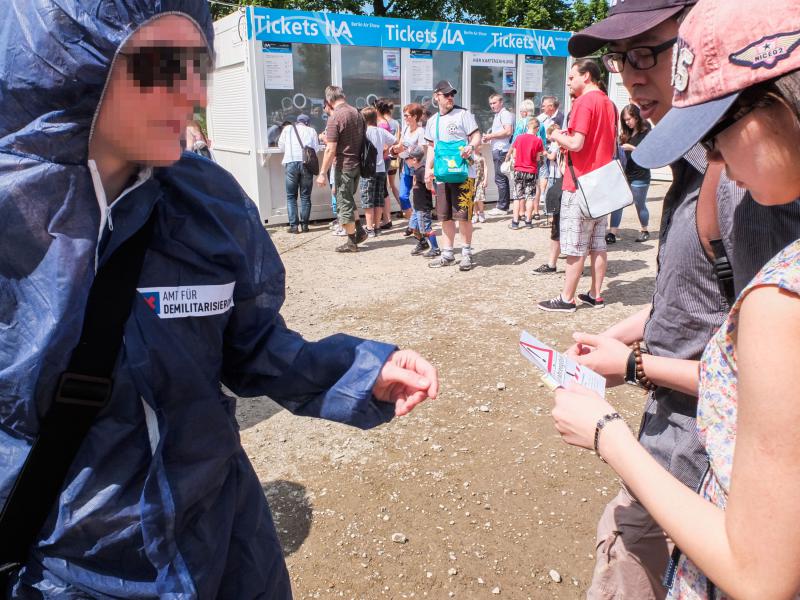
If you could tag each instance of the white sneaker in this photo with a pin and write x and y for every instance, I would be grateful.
(497, 212)
(339, 231)
(481, 218)
(475, 218)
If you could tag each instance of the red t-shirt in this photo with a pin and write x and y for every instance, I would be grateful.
(526, 147)
(593, 115)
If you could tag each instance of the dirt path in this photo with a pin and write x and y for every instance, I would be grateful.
(477, 483)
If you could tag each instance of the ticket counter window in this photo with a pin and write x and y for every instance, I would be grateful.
(554, 80)
(295, 76)
(444, 65)
(488, 80)
(370, 73)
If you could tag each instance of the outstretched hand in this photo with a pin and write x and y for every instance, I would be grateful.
(405, 380)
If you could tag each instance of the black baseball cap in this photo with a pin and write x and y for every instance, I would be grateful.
(626, 19)
(445, 87)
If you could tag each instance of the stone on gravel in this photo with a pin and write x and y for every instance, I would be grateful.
(484, 408)
(555, 576)
(501, 385)
(496, 589)
(399, 538)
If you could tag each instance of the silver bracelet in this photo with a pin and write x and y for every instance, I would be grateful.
(600, 424)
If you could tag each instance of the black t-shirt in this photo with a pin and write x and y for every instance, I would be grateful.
(634, 172)
(421, 198)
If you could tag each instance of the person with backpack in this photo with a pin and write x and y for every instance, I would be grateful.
(373, 188)
(299, 179)
(453, 137)
(344, 135)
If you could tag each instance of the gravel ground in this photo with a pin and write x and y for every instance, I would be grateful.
(472, 495)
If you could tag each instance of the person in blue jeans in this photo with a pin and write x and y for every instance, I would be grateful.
(633, 130)
(293, 139)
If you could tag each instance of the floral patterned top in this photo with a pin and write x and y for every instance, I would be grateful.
(717, 410)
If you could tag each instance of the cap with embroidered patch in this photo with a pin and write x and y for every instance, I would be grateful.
(723, 48)
(626, 19)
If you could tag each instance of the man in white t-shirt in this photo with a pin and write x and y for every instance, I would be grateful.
(453, 200)
(500, 139)
(293, 139)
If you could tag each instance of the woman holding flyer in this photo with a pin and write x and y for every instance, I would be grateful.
(739, 537)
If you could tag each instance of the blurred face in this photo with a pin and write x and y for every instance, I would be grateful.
(445, 102)
(496, 104)
(650, 89)
(157, 82)
(630, 120)
(549, 108)
(408, 118)
(760, 154)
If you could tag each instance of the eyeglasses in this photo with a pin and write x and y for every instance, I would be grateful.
(406, 115)
(162, 66)
(709, 142)
(641, 58)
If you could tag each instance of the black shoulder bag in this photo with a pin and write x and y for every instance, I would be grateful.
(83, 391)
(310, 159)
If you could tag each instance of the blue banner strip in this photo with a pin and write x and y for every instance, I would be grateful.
(266, 24)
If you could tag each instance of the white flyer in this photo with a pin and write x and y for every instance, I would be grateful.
(558, 369)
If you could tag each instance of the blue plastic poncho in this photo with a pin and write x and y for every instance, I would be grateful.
(161, 500)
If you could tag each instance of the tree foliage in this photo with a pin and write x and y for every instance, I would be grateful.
(536, 14)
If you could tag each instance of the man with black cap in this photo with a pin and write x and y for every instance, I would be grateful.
(453, 137)
(700, 271)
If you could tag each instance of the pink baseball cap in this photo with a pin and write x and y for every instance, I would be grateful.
(723, 48)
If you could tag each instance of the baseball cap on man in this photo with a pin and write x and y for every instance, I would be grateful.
(626, 19)
(445, 87)
(415, 151)
(304, 119)
(716, 58)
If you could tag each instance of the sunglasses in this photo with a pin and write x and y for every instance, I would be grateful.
(163, 66)
(641, 58)
(737, 113)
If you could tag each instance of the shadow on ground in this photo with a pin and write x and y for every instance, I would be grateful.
(251, 411)
(291, 511)
(630, 293)
(501, 256)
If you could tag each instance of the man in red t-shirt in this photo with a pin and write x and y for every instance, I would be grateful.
(590, 142)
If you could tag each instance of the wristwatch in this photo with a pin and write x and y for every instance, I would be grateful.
(630, 370)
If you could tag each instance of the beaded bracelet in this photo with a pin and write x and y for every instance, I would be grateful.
(600, 424)
(641, 378)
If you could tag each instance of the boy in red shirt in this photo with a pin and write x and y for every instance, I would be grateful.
(525, 152)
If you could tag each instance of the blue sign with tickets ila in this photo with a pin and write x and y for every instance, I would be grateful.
(266, 24)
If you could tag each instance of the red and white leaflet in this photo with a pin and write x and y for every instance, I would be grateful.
(559, 369)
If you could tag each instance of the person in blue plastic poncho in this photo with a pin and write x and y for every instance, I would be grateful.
(161, 500)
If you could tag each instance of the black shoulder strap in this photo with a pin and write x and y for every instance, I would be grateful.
(299, 141)
(709, 233)
(83, 391)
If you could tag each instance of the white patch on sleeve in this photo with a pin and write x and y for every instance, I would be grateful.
(189, 300)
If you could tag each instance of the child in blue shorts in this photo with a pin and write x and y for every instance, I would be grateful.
(422, 201)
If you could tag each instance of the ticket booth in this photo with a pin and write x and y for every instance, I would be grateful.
(272, 65)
